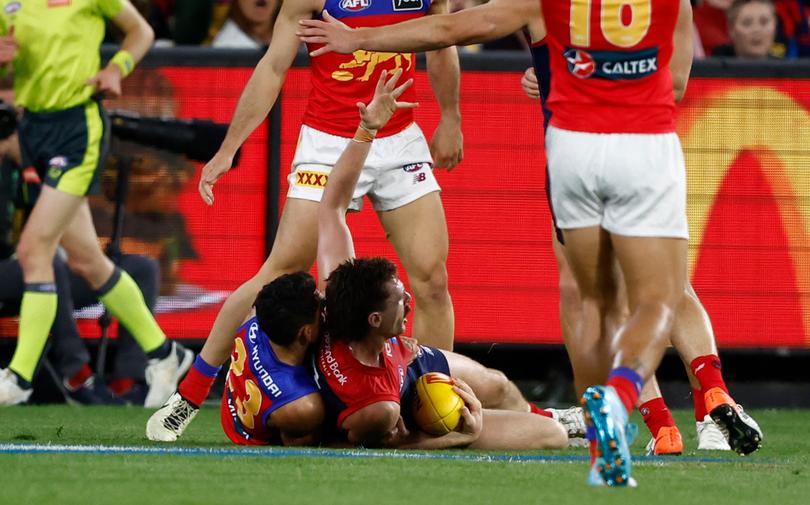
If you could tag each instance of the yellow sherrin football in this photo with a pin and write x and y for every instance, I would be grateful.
(436, 407)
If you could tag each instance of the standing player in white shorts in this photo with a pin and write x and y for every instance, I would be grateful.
(397, 178)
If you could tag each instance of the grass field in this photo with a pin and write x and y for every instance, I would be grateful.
(205, 468)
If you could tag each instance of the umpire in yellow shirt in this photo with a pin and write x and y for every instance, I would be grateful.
(64, 133)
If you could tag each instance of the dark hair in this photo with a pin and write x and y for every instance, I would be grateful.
(355, 289)
(736, 6)
(285, 305)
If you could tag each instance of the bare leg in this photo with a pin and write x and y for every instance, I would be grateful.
(587, 348)
(418, 232)
(492, 387)
(655, 271)
(52, 214)
(293, 250)
(506, 430)
(692, 334)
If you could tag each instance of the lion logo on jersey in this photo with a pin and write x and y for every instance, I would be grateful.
(369, 60)
(580, 63)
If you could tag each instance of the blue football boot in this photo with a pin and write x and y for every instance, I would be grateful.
(607, 419)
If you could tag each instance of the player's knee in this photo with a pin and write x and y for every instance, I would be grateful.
(496, 389)
(557, 437)
(32, 254)
(430, 284)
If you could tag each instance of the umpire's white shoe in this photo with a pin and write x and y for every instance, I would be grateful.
(709, 436)
(171, 420)
(10, 391)
(162, 375)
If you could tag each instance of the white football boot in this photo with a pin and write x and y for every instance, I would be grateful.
(10, 391)
(709, 436)
(171, 420)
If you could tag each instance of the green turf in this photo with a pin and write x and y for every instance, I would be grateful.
(777, 474)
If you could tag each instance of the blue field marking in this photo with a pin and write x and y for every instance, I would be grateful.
(288, 452)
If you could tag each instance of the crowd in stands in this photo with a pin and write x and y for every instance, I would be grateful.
(748, 29)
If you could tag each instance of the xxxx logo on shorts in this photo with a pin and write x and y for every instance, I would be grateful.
(311, 179)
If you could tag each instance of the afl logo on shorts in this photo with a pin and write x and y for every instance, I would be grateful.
(413, 167)
(13, 7)
(580, 63)
(355, 5)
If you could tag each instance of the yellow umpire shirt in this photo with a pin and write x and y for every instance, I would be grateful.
(58, 50)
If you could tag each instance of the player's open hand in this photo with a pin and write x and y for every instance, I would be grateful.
(8, 47)
(472, 413)
(384, 103)
(530, 84)
(107, 82)
(333, 34)
(211, 173)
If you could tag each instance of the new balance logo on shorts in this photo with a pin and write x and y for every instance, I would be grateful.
(612, 65)
(416, 170)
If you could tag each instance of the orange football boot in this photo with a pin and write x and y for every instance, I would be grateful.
(668, 442)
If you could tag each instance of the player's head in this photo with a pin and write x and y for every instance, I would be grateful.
(752, 27)
(364, 296)
(289, 308)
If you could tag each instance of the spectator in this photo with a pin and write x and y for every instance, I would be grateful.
(710, 20)
(752, 30)
(249, 24)
(794, 19)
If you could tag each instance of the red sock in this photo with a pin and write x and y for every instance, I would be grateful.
(656, 415)
(121, 386)
(700, 404)
(80, 377)
(592, 450)
(540, 412)
(196, 386)
(708, 372)
(626, 390)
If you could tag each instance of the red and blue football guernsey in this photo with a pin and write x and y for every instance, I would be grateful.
(610, 61)
(339, 81)
(257, 384)
(347, 385)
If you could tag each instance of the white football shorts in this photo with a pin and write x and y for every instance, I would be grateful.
(398, 170)
(629, 184)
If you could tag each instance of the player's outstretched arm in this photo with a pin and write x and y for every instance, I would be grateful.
(138, 38)
(683, 50)
(489, 21)
(261, 91)
(334, 238)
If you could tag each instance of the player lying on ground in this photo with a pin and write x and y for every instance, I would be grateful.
(289, 316)
(365, 370)
(692, 335)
